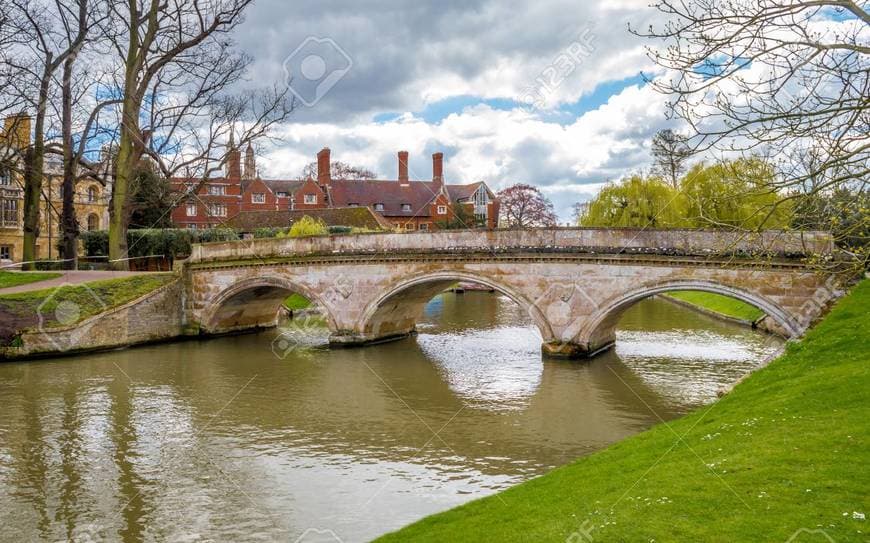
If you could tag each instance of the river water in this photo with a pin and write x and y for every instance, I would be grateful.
(249, 439)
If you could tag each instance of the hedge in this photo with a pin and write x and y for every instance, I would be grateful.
(169, 242)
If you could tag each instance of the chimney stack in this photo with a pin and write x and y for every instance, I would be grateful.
(403, 167)
(323, 174)
(438, 168)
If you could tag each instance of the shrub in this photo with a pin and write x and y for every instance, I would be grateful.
(308, 226)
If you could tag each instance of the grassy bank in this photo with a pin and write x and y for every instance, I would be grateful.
(13, 279)
(785, 455)
(72, 303)
(723, 305)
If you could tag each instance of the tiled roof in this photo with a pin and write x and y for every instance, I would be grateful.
(359, 217)
(418, 194)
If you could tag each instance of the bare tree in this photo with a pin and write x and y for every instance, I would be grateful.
(776, 78)
(524, 206)
(338, 170)
(177, 66)
(45, 39)
(670, 155)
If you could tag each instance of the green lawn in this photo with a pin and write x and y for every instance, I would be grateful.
(73, 303)
(295, 302)
(13, 279)
(787, 450)
(730, 307)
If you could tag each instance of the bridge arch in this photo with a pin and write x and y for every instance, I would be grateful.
(395, 312)
(598, 332)
(255, 302)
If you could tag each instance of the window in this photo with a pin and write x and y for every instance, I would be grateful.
(93, 222)
(92, 194)
(310, 199)
(379, 207)
(191, 209)
(217, 190)
(424, 226)
(5, 177)
(9, 213)
(5, 252)
(191, 227)
(258, 198)
(406, 207)
(353, 204)
(442, 210)
(282, 195)
(217, 210)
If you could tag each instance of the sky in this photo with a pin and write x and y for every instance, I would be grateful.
(546, 92)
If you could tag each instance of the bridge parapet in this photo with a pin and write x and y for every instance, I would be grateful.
(687, 242)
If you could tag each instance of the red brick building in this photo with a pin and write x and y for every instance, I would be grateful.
(404, 203)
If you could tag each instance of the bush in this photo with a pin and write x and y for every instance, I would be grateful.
(308, 226)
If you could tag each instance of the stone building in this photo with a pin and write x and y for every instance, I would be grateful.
(403, 203)
(91, 197)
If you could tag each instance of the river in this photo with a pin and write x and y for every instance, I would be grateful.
(226, 440)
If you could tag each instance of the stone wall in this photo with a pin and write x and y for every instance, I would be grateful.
(156, 316)
(599, 240)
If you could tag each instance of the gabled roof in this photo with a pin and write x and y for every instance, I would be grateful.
(390, 193)
(464, 192)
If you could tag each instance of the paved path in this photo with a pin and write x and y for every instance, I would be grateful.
(68, 278)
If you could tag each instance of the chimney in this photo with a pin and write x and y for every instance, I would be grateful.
(323, 174)
(234, 160)
(16, 130)
(403, 167)
(438, 168)
(250, 163)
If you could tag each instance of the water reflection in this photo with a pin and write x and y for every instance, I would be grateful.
(223, 440)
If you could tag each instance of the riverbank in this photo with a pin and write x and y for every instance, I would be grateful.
(30, 320)
(785, 455)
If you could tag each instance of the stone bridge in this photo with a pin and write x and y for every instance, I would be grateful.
(574, 282)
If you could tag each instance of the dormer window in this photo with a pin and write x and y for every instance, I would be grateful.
(379, 207)
(406, 207)
(258, 198)
(310, 199)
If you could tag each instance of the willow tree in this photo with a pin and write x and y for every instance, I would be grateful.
(636, 201)
(178, 69)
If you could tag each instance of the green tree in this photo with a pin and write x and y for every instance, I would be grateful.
(152, 201)
(636, 201)
(734, 194)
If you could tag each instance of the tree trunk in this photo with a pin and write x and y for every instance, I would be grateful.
(69, 222)
(119, 206)
(33, 179)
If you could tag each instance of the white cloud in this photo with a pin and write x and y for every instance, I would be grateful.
(570, 162)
